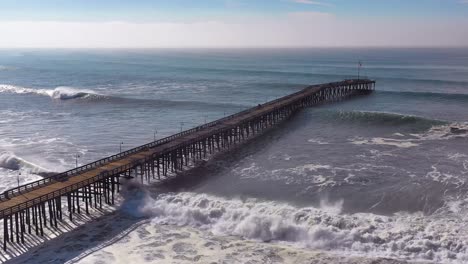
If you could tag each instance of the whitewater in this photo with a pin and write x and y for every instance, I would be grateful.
(61, 92)
(377, 179)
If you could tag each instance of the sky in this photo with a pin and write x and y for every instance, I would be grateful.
(232, 23)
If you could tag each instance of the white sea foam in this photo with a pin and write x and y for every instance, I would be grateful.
(457, 157)
(401, 143)
(265, 221)
(155, 243)
(314, 175)
(317, 141)
(190, 227)
(444, 177)
(280, 155)
(307, 168)
(307, 174)
(403, 236)
(444, 132)
(439, 132)
(61, 92)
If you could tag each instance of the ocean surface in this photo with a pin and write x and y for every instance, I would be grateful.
(382, 175)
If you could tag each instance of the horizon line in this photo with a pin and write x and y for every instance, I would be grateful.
(245, 47)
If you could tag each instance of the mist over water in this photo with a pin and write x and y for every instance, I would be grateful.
(377, 176)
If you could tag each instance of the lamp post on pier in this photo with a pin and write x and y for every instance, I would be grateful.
(121, 143)
(155, 132)
(359, 70)
(76, 160)
(181, 126)
(18, 178)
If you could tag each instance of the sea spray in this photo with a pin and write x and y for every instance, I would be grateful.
(403, 235)
(133, 194)
(10, 161)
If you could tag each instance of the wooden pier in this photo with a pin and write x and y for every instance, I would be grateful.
(41, 204)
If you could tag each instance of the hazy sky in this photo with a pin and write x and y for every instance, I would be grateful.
(232, 23)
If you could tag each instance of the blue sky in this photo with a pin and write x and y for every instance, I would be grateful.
(157, 10)
(232, 23)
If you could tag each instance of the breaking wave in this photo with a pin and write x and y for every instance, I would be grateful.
(403, 236)
(446, 131)
(12, 162)
(67, 93)
(61, 92)
(264, 221)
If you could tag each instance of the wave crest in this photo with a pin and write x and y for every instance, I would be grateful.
(61, 92)
(12, 162)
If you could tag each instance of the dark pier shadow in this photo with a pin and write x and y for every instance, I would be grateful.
(72, 241)
(215, 165)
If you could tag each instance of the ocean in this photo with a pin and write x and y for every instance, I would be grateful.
(373, 177)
